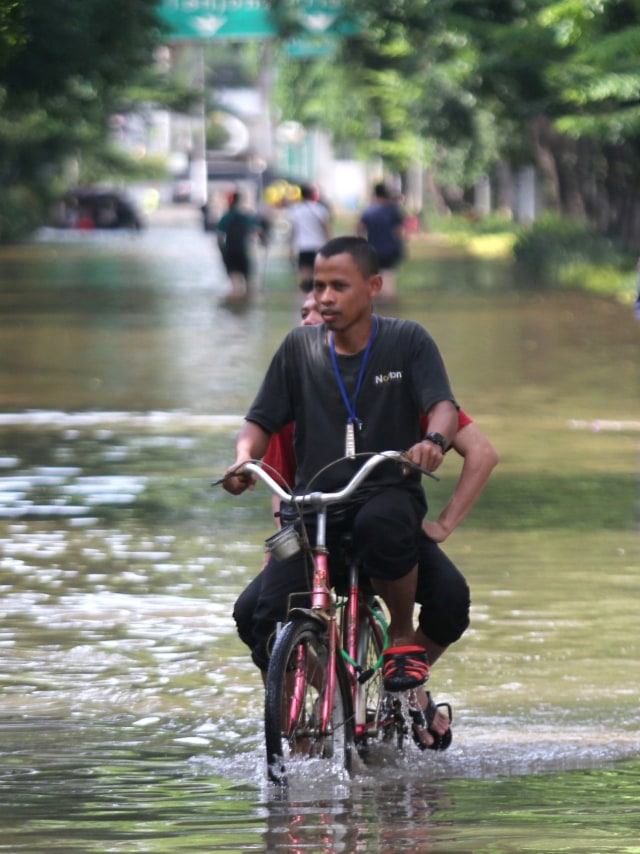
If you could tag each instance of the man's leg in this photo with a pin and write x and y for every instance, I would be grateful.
(399, 596)
(443, 593)
(244, 610)
(283, 583)
(237, 285)
(386, 534)
(434, 650)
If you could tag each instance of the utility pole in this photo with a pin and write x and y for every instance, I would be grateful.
(198, 165)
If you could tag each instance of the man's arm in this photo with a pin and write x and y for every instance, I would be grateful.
(480, 458)
(251, 444)
(443, 419)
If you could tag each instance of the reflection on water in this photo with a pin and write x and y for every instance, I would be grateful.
(135, 788)
(131, 716)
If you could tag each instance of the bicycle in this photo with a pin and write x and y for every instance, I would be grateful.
(324, 691)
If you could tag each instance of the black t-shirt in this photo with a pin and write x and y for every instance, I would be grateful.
(404, 376)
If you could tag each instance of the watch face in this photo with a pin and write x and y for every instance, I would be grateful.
(437, 438)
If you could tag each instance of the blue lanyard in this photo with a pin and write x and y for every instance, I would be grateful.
(351, 407)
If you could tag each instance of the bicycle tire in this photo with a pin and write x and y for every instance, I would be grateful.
(377, 716)
(292, 728)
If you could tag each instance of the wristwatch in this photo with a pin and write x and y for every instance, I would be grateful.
(437, 439)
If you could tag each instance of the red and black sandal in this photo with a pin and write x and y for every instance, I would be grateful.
(404, 668)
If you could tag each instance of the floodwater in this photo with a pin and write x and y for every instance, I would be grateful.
(130, 716)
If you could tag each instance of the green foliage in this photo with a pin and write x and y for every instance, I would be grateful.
(12, 33)
(558, 249)
(230, 64)
(72, 65)
(603, 279)
(107, 163)
(598, 82)
(543, 501)
(459, 85)
(495, 223)
(552, 252)
(21, 211)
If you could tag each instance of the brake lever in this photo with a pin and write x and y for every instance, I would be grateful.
(410, 463)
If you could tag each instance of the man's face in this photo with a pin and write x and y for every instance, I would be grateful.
(343, 295)
(310, 316)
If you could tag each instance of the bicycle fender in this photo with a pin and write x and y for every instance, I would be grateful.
(306, 612)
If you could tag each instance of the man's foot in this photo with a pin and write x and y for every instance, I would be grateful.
(404, 668)
(431, 727)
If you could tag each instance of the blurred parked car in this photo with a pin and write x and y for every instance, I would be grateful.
(89, 208)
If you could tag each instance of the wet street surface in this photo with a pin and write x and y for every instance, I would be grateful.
(130, 714)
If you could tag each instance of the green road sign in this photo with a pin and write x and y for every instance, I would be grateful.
(203, 20)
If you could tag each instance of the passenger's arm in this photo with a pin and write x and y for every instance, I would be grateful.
(480, 458)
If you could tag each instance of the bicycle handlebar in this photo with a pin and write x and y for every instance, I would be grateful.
(326, 498)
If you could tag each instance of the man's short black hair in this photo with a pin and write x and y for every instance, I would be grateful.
(364, 255)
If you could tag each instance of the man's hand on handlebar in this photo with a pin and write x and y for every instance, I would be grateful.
(426, 454)
(235, 480)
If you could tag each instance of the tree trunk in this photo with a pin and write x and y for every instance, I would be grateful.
(540, 137)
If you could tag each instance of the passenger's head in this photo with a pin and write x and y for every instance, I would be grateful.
(307, 192)
(363, 254)
(309, 314)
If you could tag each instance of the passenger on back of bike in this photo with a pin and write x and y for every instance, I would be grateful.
(356, 384)
(442, 591)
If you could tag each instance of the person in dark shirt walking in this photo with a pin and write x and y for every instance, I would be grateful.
(381, 223)
(234, 231)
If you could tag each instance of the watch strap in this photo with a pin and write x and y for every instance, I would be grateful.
(437, 439)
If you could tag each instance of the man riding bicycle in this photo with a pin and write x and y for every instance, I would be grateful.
(357, 384)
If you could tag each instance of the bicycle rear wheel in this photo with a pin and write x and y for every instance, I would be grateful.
(377, 714)
(296, 682)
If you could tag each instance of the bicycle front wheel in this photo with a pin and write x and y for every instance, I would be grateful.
(298, 680)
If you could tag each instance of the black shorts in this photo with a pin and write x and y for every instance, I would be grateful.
(236, 262)
(307, 259)
(389, 261)
(442, 593)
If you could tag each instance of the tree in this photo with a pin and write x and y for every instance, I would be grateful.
(66, 67)
(404, 86)
(466, 85)
(11, 29)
